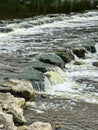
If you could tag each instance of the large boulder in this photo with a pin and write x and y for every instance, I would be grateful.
(14, 106)
(21, 88)
(6, 122)
(51, 58)
(79, 52)
(40, 126)
(32, 74)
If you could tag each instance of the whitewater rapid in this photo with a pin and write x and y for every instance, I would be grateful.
(23, 38)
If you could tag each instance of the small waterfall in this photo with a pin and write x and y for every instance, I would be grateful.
(52, 77)
(96, 46)
(38, 86)
(55, 76)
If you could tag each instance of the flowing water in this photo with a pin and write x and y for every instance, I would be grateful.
(73, 104)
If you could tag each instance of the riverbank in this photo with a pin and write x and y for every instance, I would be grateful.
(28, 8)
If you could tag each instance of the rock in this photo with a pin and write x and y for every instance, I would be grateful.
(43, 67)
(7, 122)
(67, 56)
(21, 88)
(22, 128)
(91, 46)
(95, 64)
(14, 106)
(77, 63)
(5, 30)
(79, 52)
(91, 49)
(52, 58)
(32, 74)
(40, 126)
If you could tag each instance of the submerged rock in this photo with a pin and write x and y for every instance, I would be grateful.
(21, 88)
(52, 58)
(95, 64)
(40, 126)
(14, 106)
(79, 52)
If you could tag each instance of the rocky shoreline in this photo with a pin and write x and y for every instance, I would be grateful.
(15, 93)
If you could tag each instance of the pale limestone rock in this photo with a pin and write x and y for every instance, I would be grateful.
(40, 126)
(14, 106)
(20, 88)
(6, 122)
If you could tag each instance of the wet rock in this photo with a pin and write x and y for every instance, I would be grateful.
(79, 52)
(95, 64)
(6, 120)
(77, 63)
(43, 67)
(21, 88)
(14, 106)
(91, 49)
(44, 95)
(32, 74)
(40, 126)
(5, 30)
(52, 58)
(67, 56)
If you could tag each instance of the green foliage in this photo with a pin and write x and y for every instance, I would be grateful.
(27, 8)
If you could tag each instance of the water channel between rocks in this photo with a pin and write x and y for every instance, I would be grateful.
(73, 104)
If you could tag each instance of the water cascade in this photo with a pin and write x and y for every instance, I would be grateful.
(66, 83)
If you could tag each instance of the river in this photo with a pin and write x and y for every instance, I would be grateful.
(69, 106)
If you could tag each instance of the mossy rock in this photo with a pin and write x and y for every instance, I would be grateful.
(52, 58)
(32, 74)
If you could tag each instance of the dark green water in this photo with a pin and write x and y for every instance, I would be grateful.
(29, 8)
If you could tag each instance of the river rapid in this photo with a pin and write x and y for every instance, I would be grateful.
(69, 106)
